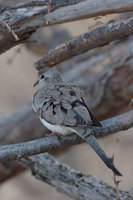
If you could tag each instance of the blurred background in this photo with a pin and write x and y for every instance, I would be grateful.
(16, 79)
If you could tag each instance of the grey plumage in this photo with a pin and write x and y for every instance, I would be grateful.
(62, 108)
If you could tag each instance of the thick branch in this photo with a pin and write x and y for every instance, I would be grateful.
(17, 151)
(94, 38)
(69, 181)
(26, 18)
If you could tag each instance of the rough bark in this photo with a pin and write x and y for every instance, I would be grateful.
(20, 150)
(93, 38)
(69, 181)
(27, 17)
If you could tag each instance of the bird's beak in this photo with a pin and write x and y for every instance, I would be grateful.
(36, 83)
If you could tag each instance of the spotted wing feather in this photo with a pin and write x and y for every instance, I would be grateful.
(63, 105)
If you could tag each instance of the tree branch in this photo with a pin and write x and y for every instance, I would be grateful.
(94, 38)
(17, 151)
(69, 181)
(27, 17)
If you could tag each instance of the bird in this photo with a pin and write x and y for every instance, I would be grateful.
(62, 108)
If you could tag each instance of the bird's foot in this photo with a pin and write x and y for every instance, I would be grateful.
(53, 134)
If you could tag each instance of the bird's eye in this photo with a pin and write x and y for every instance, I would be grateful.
(42, 76)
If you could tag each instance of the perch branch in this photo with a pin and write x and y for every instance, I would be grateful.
(25, 18)
(93, 38)
(17, 151)
(69, 181)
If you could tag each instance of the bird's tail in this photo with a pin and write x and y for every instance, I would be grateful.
(87, 136)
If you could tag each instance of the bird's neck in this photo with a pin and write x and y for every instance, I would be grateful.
(47, 85)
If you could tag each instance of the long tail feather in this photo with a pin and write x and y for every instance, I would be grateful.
(91, 140)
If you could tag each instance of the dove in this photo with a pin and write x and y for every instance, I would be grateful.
(62, 108)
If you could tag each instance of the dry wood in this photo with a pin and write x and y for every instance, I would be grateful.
(27, 17)
(12, 32)
(20, 150)
(94, 38)
(69, 181)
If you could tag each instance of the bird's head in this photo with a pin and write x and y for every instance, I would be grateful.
(48, 76)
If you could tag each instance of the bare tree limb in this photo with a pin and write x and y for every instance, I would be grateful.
(17, 151)
(69, 181)
(27, 17)
(94, 38)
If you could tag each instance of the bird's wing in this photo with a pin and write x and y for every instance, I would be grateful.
(65, 105)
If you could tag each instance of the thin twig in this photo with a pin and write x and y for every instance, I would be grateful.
(116, 182)
(131, 103)
(49, 5)
(9, 28)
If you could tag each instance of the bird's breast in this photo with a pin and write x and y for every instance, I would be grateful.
(63, 130)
